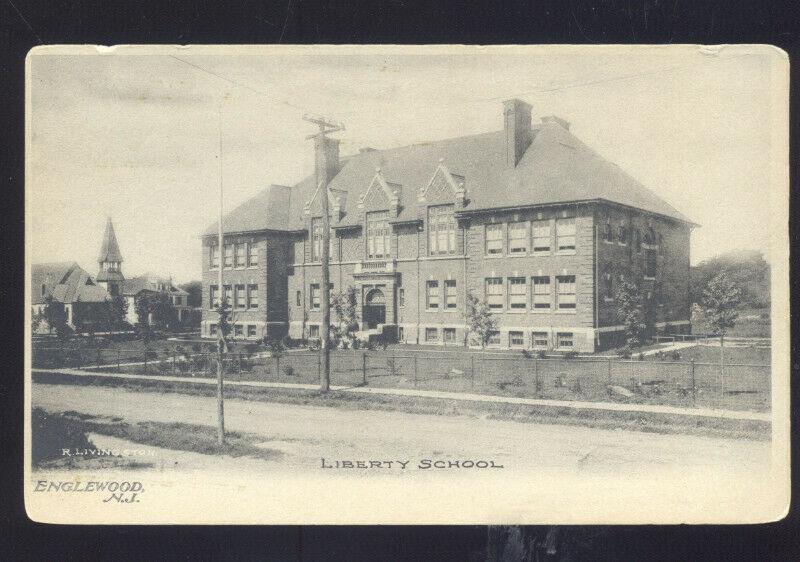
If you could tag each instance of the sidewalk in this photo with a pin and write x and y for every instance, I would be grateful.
(467, 397)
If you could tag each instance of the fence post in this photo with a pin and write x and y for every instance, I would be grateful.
(145, 361)
(98, 356)
(364, 367)
(173, 362)
(694, 385)
(415, 371)
(610, 366)
(118, 361)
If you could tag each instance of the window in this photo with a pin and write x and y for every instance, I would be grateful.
(441, 230)
(565, 235)
(450, 295)
(401, 297)
(333, 247)
(449, 335)
(541, 237)
(251, 330)
(314, 292)
(494, 239)
(494, 338)
(515, 339)
(241, 255)
(227, 297)
(212, 329)
(565, 340)
(637, 240)
(214, 261)
(607, 236)
(432, 295)
(378, 234)
(241, 297)
(252, 296)
(539, 340)
(401, 335)
(431, 335)
(517, 293)
(622, 234)
(565, 287)
(316, 239)
(650, 263)
(178, 301)
(238, 330)
(213, 301)
(541, 293)
(313, 331)
(650, 236)
(517, 237)
(494, 292)
(608, 284)
(228, 255)
(298, 298)
(660, 245)
(252, 254)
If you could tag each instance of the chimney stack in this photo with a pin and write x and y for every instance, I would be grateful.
(517, 117)
(326, 158)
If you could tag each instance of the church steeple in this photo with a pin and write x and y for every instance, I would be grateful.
(110, 261)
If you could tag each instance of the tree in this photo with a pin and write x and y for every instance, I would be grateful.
(56, 317)
(480, 322)
(721, 298)
(157, 306)
(344, 307)
(141, 305)
(195, 290)
(630, 311)
(117, 311)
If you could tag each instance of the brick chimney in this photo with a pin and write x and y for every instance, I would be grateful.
(517, 118)
(326, 158)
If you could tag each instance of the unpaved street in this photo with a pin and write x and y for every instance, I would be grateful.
(304, 435)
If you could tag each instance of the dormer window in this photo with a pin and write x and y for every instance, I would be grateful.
(441, 230)
(378, 234)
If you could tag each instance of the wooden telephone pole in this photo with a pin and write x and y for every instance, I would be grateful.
(321, 169)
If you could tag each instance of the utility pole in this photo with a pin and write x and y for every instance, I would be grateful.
(221, 343)
(321, 171)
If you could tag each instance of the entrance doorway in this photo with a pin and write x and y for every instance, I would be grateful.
(374, 309)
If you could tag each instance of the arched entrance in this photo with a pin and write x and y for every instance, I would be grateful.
(374, 309)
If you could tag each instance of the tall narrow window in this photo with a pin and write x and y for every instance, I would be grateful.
(316, 239)
(517, 293)
(565, 235)
(333, 247)
(608, 284)
(241, 297)
(541, 237)
(227, 297)
(401, 297)
(214, 262)
(314, 294)
(565, 292)
(450, 294)
(541, 293)
(252, 296)
(607, 235)
(494, 239)
(213, 296)
(228, 255)
(378, 234)
(298, 298)
(517, 238)
(441, 230)
(622, 234)
(432, 295)
(494, 292)
(252, 255)
(650, 263)
(241, 255)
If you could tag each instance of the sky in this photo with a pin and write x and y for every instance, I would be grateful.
(137, 134)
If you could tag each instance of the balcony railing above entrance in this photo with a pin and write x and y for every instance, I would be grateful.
(375, 266)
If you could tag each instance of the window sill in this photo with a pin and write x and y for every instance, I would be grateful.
(573, 311)
(541, 253)
(646, 278)
(432, 310)
(566, 253)
(493, 256)
(541, 311)
(516, 311)
(608, 299)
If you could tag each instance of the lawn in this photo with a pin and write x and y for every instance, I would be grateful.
(751, 323)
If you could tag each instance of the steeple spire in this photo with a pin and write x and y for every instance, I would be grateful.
(109, 252)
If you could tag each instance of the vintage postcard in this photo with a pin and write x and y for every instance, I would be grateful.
(407, 284)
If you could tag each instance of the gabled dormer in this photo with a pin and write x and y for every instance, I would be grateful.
(381, 195)
(337, 205)
(443, 187)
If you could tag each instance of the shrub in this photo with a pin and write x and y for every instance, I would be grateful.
(676, 355)
(287, 342)
(541, 354)
(163, 366)
(183, 366)
(624, 352)
(526, 354)
(197, 347)
(640, 356)
(570, 355)
(288, 370)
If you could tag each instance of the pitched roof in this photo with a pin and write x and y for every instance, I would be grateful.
(110, 249)
(555, 168)
(148, 282)
(66, 282)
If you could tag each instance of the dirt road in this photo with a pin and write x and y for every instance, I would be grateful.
(305, 435)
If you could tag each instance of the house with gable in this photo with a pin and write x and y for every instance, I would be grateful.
(528, 218)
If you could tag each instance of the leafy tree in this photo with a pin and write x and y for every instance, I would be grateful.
(195, 290)
(159, 306)
(56, 317)
(142, 307)
(748, 270)
(224, 324)
(630, 311)
(480, 322)
(346, 324)
(116, 312)
(721, 299)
